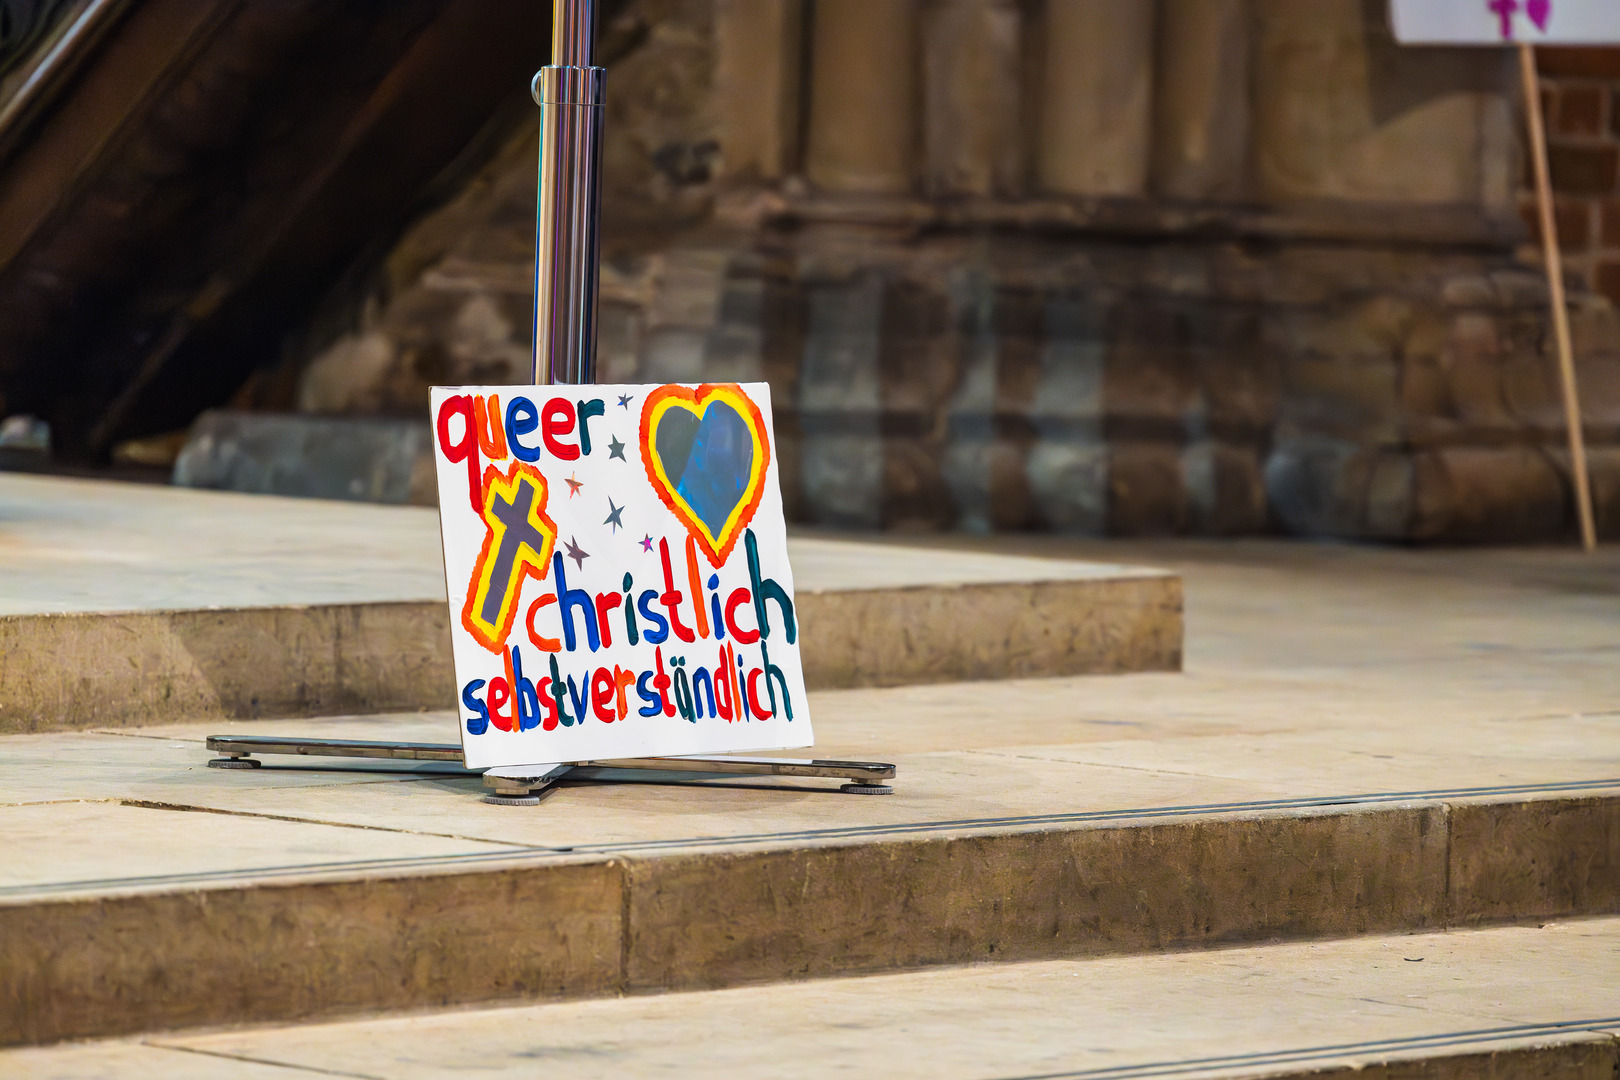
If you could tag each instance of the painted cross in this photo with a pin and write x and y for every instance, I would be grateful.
(517, 544)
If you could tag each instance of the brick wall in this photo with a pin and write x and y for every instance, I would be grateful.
(1580, 94)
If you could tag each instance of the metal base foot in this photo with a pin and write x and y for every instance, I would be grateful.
(520, 790)
(864, 777)
(239, 746)
(859, 773)
(512, 800)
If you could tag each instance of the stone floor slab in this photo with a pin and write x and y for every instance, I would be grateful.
(1455, 706)
(94, 546)
(124, 606)
(1502, 1002)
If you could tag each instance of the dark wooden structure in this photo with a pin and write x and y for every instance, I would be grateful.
(182, 181)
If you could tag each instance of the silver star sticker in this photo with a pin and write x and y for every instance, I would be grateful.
(577, 553)
(613, 518)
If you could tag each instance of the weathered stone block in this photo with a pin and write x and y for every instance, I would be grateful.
(673, 354)
(1373, 329)
(987, 481)
(1467, 290)
(915, 494)
(1147, 493)
(846, 909)
(1464, 493)
(687, 288)
(1535, 859)
(842, 477)
(839, 369)
(158, 667)
(370, 459)
(895, 637)
(1472, 363)
(1238, 374)
(1069, 482)
(1425, 391)
(1449, 494)
(1389, 495)
(118, 964)
(1320, 486)
(916, 352)
(619, 342)
(1149, 387)
(1520, 288)
(1578, 1058)
(1349, 396)
(1530, 392)
(1226, 493)
(1068, 392)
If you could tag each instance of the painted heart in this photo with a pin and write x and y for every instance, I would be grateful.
(706, 453)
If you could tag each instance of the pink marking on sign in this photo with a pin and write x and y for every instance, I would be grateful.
(1539, 11)
(1504, 12)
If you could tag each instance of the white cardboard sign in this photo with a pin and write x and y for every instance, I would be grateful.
(1505, 22)
(616, 559)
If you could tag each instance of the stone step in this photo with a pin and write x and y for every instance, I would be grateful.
(124, 605)
(143, 891)
(1502, 1002)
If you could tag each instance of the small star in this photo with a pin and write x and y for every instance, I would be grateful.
(613, 518)
(574, 486)
(624, 401)
(577, 553)
(646, 545)
(616, 449)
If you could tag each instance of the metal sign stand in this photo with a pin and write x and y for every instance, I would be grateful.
(567, 253)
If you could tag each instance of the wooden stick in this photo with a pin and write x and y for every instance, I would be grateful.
(1555, 286)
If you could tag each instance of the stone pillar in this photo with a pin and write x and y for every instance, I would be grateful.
(863, 96)
(757, 79)
(840, 399)
(1069, 462)
(1341, 111)
(972, 62)
(1201, 100)
(1096, 108)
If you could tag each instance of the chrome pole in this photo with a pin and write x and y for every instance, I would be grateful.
(569, 211)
